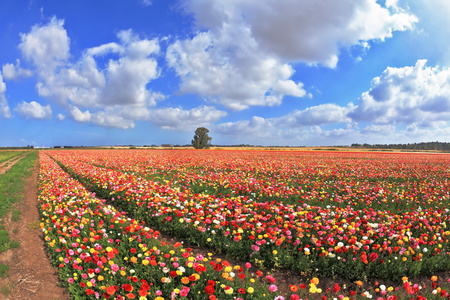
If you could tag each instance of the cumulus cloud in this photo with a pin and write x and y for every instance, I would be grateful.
(231, 71)
(185, 120)
(314, 31)
(242, 53)
(14, 72)
(46, 46)
(4, 107)
(113, 95)
(80, 116)
(317, 115)
(61, 117)
(33, 110)
(417, 94)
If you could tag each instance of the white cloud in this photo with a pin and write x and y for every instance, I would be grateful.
(185, 120)
(80, 116)
(33, 110)
(114, 95)
(241, 56)
(14, 72)
(61, 117)
(101, 118)
(105, 49)
(417, 94)
(46, 46)
(314, 31)
(107, 119)
(231, 71)
(4, 107)
(257, 128)
(316, 115)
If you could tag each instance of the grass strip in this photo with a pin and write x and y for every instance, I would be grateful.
(12, 185)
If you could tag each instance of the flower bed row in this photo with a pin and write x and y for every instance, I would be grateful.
(101, 254)
(317, 240)
(395, 182)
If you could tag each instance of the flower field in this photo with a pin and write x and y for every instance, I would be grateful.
(352, 216)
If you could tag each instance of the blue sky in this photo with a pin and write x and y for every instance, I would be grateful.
(262, 72)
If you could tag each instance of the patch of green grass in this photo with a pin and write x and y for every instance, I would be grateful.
(7, 155)
(13, 181)
(14, 244)
(15, 216)
(6, 291)
(12, 185)
(3, 270)
(4, 241)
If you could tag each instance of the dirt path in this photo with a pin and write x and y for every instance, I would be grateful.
(6, 165)
(31, 276)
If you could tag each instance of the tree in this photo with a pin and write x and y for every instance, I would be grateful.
(201, 139)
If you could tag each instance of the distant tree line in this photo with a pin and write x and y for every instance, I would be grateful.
(440, 146)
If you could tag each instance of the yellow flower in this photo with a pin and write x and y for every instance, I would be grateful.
(250, 290)
(100, 278)
(229, 291)
(315, 281)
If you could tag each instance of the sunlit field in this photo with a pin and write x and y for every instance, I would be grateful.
(349, 216)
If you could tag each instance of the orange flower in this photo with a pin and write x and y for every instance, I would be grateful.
(315, 280)
(359, 282)
(185, 280)
(434, 278)
(293, 288)
(110, 290)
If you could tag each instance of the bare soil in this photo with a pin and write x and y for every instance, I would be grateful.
(31, 275)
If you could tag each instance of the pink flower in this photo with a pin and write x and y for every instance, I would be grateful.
(270, 278)
(294, 297)
(115, 268)
(248, 265)
(273, 288)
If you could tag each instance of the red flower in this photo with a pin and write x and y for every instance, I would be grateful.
(209, 289)
(218, 267)
(373, 256)
(127, 287)
(173, 274)
(211, 282)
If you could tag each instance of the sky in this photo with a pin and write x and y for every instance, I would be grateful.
(259, 72)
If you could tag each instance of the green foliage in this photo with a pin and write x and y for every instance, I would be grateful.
(3, 271)
(201, 139)
(15, 216)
